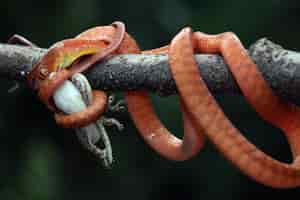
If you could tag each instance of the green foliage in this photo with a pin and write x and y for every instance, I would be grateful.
(40, 176)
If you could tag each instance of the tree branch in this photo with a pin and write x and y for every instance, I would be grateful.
(280, 67)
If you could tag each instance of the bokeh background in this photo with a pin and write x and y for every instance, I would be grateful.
(39, 160)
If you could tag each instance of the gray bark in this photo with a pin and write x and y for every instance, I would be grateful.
(280, 68)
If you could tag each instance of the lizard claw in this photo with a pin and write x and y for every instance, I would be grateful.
(112, 122)
(119, 106)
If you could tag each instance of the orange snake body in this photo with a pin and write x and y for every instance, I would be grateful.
(201, 114)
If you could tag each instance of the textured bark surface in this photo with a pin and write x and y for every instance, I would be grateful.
(280, 67)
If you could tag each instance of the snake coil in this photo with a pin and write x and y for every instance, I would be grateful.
(202, 117)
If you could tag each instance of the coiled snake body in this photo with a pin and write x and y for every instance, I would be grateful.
(202, 116)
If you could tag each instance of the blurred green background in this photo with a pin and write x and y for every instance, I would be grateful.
(39, 160)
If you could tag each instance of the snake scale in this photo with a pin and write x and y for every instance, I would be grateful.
(202, 116)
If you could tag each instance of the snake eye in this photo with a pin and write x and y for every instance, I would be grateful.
(43, 73)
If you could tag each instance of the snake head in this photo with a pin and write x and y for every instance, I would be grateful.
(37, 75)
(48, 63)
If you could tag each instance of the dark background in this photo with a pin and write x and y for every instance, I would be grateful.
(39, 160)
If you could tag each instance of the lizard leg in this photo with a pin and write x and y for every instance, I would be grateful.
(115, 106)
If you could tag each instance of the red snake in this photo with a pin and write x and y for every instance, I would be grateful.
(201, 114)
